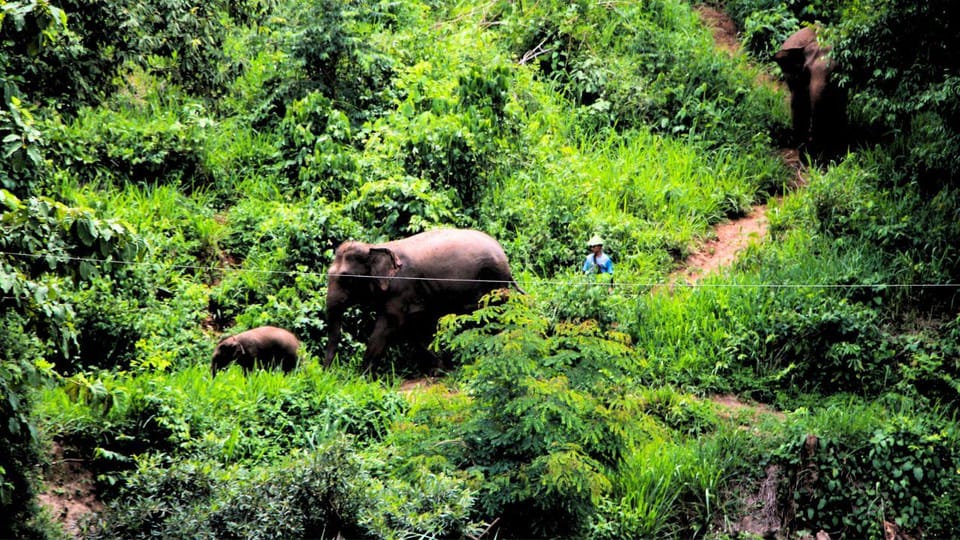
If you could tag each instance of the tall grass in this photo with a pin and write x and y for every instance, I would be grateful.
(671, 489)
(230, 417)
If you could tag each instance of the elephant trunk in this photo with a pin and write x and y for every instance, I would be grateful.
(337, 304)
(334, 324)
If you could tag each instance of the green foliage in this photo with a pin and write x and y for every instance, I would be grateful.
(22, 145)
(42, 242)
(44, 238)
(823, 346)
(20, 450)
(930, 367)
(315, 494)
(181, 40)
(322, 48)
(419, 503)
(233, 418)
(400, 207)
(283, 255)
(144, 147)
(864, 206)
(849, 479)
(669, 490)
(547, 412)
(71, 52)
(765, 30)
(897, 60)
(316, 141)
(31, 32)
(576, 411)
(668, 76)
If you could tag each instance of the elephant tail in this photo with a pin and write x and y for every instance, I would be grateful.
(517, 286)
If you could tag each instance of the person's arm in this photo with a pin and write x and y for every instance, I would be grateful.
(587, 264)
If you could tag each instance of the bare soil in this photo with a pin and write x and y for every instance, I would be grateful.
(69, 491)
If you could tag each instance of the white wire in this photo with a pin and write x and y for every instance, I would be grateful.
(575, 282)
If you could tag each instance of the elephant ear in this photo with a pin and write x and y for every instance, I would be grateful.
(791, 61)
(228, 348)
(385, 264)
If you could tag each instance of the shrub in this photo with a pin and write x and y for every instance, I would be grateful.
(145, 148)
(401, 207)
(24, 168)
(547, 417)
(180, 40)
(316, 147)
(282, 255)
(311, 495)
(824, 346)
(20, 449)
(850, 479)
(41, 242)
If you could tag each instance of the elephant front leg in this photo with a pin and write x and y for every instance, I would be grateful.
(383, 330)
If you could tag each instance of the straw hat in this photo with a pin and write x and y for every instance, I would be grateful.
(595, 240)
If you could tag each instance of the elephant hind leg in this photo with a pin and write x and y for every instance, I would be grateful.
(383, 331)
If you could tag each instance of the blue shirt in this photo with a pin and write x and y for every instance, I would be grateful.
(598, 264)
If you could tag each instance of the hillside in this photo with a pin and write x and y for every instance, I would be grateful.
(176, 176)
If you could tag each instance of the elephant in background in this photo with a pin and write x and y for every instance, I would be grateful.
(264, 346)
(817, 104)
(411, 283)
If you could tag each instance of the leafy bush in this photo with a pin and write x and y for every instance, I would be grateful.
(20, 449)
(863, 205)
(106, 327)
(135, 147)
(283, 256)
(666, 489)
(401, 207)
(547, 416)
(897, 89)
(180, 39)
(310, 495)
(24, 168)
(849, 479)
(687, 90)
(419, 503)
(930, 366)
(316, 145)
(324, 49)
(765, 30)
(825, 346)
(40, 246)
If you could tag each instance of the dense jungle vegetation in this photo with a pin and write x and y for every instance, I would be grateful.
(176, 171)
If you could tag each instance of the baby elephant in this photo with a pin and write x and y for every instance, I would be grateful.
(265, 346)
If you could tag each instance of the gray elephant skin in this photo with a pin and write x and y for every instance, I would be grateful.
(264, 346)
(411, 283)
(817, 103)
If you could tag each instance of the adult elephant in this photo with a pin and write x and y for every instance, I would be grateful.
(817, 103)
(411, 283)
(264, 346)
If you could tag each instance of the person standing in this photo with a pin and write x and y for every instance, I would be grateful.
(597, 262)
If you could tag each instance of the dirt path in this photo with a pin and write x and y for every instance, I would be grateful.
(731, 238)
(70, 493)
